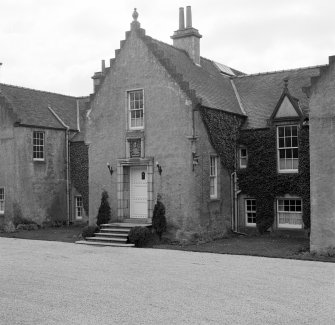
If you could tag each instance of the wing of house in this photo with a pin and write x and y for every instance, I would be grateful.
(36, 128)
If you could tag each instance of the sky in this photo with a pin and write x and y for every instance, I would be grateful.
(57, 45)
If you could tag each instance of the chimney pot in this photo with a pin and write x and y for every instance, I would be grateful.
(188, 17)
(181, 18)
(103, 66)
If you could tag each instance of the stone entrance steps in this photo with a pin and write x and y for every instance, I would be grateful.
(113, 234)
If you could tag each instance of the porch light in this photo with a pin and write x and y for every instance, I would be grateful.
(195, 160)
(110, 168)
(159, 167)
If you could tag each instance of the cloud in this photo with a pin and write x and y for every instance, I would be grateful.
(57, 45)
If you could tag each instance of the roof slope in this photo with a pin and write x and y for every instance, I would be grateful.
(214, 89)
(260, 93)
(31, 106)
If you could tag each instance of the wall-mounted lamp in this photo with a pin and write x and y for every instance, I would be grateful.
(195, 160)
(110, 168)
(159, 167)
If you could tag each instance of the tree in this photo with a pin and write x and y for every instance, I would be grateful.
(158, 218)
(104, 214)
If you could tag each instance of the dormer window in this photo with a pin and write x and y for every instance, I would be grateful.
(135, 109)
(287, 148)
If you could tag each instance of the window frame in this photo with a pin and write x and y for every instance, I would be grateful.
(249, 224)
(129, 110)
(77, 208)
(288, 225)
(3, 200)
(38, 146)
(243, 157)
(292, 170)
(213, 177)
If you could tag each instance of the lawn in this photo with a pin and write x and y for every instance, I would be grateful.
(267, 245)
(65, 234)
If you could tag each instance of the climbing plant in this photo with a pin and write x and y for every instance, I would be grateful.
(261, 179)
(223, 129)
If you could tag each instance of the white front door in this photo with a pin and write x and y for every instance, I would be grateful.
(138, 192)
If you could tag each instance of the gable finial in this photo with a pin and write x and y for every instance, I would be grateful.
(135, 15)
(286, 83)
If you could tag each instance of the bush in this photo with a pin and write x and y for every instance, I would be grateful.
(58, 223)
(104, 214)
(9, 227)
(139, 236)
(89, 231)
(18, 220)
(158, 218)
(27, 226)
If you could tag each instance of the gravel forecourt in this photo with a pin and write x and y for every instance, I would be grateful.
(62, 283)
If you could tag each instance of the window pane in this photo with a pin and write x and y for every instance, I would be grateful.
(295, 163)
(294, 142)
(295, 153)
(288, 142)
(295, 131)
(281, 131)
(287, 131)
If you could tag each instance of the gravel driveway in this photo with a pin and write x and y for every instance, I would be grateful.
(61, 283)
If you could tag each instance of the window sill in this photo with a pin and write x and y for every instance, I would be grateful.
(136, 129)
(289, 171)
(290, 228)
(39, 161)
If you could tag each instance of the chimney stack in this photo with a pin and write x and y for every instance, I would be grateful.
(188, 38)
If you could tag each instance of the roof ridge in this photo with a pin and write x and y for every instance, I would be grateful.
(176, 48)
(181, 50)
(41, 91)
(277, 71)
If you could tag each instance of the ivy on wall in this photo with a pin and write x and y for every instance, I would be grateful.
(79, 169)
(223, 129)
(261, 180)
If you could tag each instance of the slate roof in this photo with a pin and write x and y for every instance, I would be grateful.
(31, 106)
(214, 88)
(260, 93)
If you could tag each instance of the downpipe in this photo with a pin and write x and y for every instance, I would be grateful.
(234, 204)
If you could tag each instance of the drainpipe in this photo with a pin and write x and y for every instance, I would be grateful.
(67, 162)
(234, 204)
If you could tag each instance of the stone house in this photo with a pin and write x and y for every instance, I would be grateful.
(322, 147)
(169, 121)
(148, 121)
(225, 150)
(37, 130)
